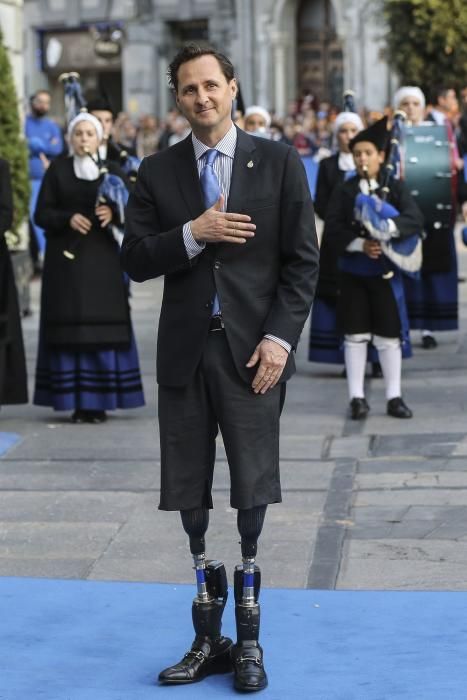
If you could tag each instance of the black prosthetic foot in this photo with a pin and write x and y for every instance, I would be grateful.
(205, 658)
(210, 651)
(247, 654)
(248, 667)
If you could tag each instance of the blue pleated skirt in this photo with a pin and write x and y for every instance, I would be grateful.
(325, 343)
(94, 381)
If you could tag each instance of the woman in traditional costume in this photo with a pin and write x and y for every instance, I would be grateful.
(432, 300)
(87, 361)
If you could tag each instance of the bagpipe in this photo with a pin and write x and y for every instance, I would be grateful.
(349, 102)
(375, 213)
(129, 164)
(112, 191)
(73, 95)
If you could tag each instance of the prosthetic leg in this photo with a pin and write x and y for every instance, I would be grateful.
(247, 654)
(210, 651)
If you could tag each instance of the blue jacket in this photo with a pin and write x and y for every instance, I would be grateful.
(43, 136)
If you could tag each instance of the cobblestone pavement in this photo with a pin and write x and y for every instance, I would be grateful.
(380, 504)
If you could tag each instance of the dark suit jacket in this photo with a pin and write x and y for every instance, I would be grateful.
(265, 285)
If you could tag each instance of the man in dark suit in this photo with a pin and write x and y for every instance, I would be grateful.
(228, 220)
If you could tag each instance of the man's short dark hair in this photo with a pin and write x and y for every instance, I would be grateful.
(41, 91)
(192, 51)
(440, 91)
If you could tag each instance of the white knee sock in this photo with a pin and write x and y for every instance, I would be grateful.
(390, 357)
(355, 351)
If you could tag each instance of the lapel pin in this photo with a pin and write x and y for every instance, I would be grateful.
(249, 164)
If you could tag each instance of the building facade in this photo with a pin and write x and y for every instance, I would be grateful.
(281, 48)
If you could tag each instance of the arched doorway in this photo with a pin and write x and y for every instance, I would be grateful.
(320, 67)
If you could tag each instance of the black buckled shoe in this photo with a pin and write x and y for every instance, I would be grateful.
(397, 408)
(249, 673)
(359, 409)
(204, 658)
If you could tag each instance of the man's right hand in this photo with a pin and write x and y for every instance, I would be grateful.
(216, 226)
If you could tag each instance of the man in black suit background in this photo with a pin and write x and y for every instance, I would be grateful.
(228, 220)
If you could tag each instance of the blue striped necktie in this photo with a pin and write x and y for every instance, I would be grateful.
(211, 193)
(208, 178)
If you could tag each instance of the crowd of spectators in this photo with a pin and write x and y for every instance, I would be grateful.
(308, 125)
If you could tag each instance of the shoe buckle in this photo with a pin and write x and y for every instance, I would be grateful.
(197, 654)
(254, 659)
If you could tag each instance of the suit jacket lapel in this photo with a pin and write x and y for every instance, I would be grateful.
(188, 178)
(244, 170)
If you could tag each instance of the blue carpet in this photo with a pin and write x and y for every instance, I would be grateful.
(7, 440)
(86, 640)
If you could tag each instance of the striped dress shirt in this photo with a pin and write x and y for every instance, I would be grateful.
(223, 168)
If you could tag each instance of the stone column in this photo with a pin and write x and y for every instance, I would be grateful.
(222, 26)
(140, 70)
(245, 59)
(263, 94)
(279, 43)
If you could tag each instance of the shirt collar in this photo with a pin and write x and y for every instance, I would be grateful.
(226, 145)
(438, 116)
(345, 161)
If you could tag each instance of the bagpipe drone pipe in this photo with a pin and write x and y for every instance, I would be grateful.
(349, 102)
(128, 163)
(375, 214)
(72, 95)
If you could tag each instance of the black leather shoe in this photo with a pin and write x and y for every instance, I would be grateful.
(429, 342)
(204, 658)
(95, 416)
(359, 409)
(397, 408)
(249, 673)
(78, 416)
(376, 370)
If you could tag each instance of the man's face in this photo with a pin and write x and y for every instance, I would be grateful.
(367, 158)
(413, 108)
(41, 104)
(448, 102)
(204, 96)
(345, 134)
(106, 119)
